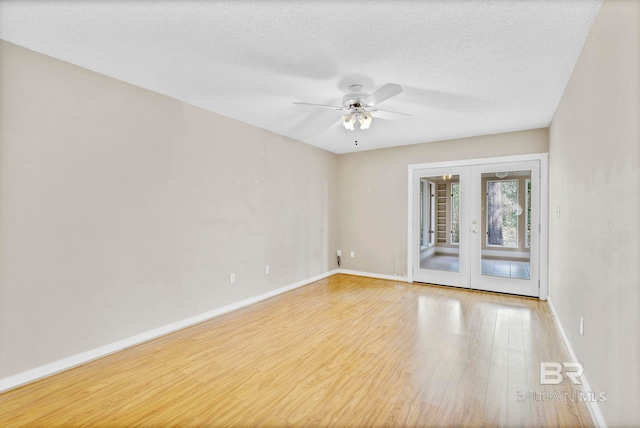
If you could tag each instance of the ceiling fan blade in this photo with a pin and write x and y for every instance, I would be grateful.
(452, 101)
(318, 105)
(313, 124)
(384, 93)
(390, 115)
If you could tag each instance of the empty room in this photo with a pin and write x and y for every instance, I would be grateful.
(320, 213)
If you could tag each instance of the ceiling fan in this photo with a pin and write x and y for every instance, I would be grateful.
(361, 107)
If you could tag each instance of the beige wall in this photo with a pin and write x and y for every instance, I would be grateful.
(123, 210)
(373, 193)
(595, 180)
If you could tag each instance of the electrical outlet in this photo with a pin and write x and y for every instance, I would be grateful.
(232, 278)
(353, 254)
(339, 253)
(581, 326)
(266, 270)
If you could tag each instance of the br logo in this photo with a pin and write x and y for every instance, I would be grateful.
(551, 373)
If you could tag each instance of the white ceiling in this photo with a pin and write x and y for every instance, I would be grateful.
(468, 67)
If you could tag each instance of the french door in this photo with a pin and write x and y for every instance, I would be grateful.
(478, 226)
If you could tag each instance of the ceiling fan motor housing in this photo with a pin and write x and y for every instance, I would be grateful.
(353, 99)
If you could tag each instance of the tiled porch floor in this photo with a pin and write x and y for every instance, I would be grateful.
(493, 267)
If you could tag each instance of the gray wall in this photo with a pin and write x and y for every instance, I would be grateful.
(373, 193)
(595, 179)
(123, 210)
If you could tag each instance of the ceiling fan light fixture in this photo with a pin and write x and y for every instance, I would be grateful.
(348, 121)
(365, 120)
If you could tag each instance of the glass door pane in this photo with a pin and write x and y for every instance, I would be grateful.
(505, 251)
(440, 252)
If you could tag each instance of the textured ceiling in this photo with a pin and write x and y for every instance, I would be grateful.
(468, 67)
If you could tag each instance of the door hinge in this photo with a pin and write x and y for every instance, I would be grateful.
(538, 284)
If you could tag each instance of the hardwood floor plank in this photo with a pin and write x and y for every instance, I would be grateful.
(344, 351)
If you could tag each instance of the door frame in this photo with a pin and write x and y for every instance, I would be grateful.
(544, 208)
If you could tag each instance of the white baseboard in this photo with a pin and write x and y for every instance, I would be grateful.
(448, 250)
(85, 357)
(428, 253)
(594, 410)
(372, 275)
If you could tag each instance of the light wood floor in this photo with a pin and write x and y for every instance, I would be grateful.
(344, 351)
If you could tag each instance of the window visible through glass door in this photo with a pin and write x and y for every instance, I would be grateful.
(507, 202)
(440, 222)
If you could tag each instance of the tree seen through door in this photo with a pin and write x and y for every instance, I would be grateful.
(502, 213)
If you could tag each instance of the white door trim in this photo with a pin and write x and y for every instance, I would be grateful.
(459, 278)
(544, 207)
